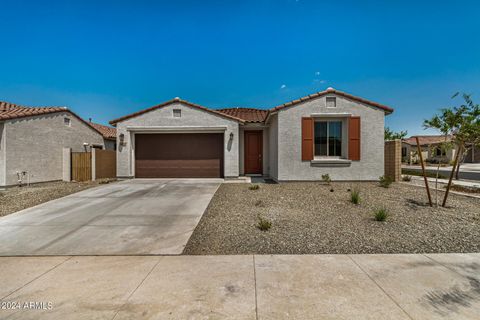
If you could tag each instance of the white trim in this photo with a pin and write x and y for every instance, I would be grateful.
(331, 115)
(165, 129)
(333, 162)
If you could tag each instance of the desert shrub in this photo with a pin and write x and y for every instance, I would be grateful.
(380, 214)
(259, 203)
(385, 181)
(355, 196)
(407, 178)
(254, 187)
(264, 224)
(326, 178)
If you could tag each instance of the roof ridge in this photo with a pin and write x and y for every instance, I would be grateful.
(335, 91)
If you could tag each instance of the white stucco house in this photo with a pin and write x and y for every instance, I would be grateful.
(32, 140)
(329, 132)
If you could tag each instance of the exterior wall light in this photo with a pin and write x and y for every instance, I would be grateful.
(121, 139)
(231, 135)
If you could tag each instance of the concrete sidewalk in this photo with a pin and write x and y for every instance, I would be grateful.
(433, 286)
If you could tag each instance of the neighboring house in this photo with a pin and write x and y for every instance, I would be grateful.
(329, 132)
(109, 135)
(32, 139)
(431, 149)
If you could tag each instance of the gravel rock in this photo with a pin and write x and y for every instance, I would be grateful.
(18, 198)
(309, 218)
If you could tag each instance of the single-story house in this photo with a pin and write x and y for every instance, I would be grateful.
(329, 132)
(32, 140)
(431, 146)
(109, 135)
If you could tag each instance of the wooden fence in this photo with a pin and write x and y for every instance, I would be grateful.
(81, 166)
(105, 164)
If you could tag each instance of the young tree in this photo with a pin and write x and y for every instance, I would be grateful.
(392, 135)
(463, 124)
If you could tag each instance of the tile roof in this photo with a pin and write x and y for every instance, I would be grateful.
(9, 111)
(334, 91)
(169, 102)
(247, 114)
(12, 111)
(427, 140)
(107, 132)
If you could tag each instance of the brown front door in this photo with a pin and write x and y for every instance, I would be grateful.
(253, 152)
(179, 155)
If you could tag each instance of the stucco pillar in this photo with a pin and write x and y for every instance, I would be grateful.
(67, 164)
(94, 168)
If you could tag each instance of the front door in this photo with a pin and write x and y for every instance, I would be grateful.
(253, 152)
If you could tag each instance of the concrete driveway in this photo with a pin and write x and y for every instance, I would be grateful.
(130, 217)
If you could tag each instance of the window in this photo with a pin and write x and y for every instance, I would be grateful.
(439, 152)
(328, 138)
(67, 122)
(177, 113)
(331, 102)
(404, 151)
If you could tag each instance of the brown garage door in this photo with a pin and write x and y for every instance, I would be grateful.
(179, 155)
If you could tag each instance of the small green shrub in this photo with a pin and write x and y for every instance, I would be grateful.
(254, 187)
(264, 224)
(385, 181)
(355, 196)
(380, 214)
(326, 178)
(407, 178)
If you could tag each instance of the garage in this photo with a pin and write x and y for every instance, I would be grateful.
(179, 155)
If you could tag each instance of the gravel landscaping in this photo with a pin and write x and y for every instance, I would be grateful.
(18, 198)
(309, 218)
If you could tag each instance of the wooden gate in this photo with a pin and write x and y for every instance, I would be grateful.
(105, 164)
(81, 166)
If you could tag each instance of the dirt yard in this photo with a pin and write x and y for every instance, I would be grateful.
(310, 218)
(18, 198)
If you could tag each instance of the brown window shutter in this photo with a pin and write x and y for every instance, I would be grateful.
(307, 139)
(354, 138)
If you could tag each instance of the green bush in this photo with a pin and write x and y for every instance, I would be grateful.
(254, 187)
(264, 224)
(380, 214)
(407, 178)
(385, 181)
(355, 196)
(326, 178)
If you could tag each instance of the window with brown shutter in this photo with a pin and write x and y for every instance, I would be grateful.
(307, 139)
(354, 138)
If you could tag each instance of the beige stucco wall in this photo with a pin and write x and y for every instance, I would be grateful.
(35, 144)
(162, 119)
(273, 146)
(290, 165)
(2, 154)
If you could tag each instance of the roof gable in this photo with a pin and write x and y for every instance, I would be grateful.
(11, 111)
(176, 100)
(385, 108)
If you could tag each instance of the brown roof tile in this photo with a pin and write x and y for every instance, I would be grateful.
(107, 132)
(247, 114)
(9, 111)
(12, 111)
(427, 140)
(334, 91)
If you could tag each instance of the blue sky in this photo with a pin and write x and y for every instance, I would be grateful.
(107, 59)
